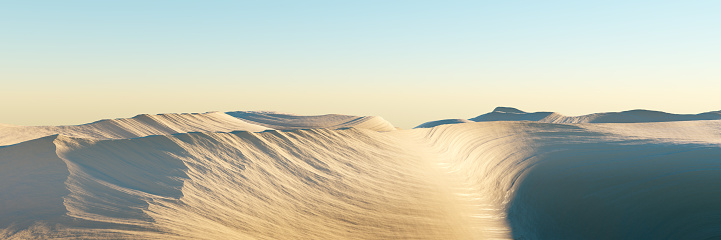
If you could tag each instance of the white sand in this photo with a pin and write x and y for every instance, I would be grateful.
(485, 180)
(164, 124)
(633, 116)
(286, 121)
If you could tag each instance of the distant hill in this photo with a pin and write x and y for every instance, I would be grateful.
(632, 116)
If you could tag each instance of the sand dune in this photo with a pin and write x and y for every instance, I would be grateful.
(163, 124)
(632, 116)
(472, 180)
(285, 121)
(138, 126)
(442, 122)
(557, 181)
(274, 185)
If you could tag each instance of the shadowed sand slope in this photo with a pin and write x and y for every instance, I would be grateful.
(442, 122)
(31, 184)
(477, 180)
(556, 181)
(284, 121)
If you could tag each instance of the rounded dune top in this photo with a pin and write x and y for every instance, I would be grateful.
(507, 110)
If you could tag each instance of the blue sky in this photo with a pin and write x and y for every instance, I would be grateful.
(408, 61)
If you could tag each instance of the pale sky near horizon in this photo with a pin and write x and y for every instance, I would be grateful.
(73, 62)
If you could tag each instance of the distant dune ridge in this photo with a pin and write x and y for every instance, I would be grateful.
(632, 116)
(507, 174)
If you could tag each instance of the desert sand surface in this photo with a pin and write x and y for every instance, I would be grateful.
(507, 174)
(164, 124)
(632, 116)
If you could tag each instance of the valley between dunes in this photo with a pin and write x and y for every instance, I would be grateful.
(507, 174)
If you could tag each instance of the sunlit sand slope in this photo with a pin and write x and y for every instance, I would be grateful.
(305, 184)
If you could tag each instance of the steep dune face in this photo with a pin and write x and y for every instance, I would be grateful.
(554, 181)
(31, 184)
(484, 180)
(484, 160)
(621, 190)
(284, 121)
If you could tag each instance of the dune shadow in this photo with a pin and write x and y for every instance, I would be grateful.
(623, 190)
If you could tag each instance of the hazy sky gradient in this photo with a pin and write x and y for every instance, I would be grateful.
(73, 62)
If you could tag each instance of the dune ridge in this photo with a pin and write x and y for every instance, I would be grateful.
(285, 121)
(631, 116)
(138, 126)
(163, 124)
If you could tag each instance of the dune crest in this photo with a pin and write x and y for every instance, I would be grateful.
(285, 121)
(163, 124)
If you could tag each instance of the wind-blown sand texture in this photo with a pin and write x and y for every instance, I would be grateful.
(265, 175)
